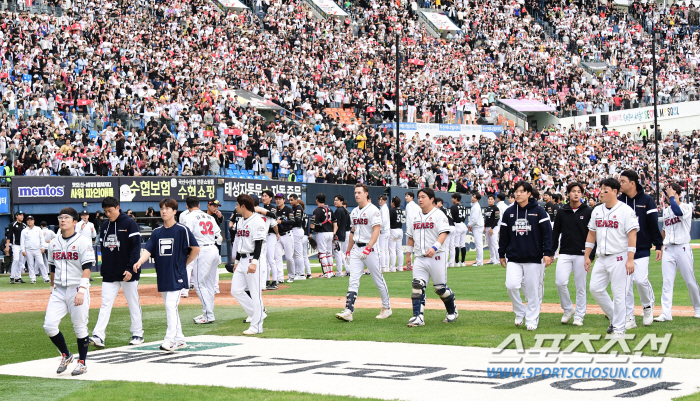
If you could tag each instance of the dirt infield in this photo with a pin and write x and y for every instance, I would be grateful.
(36, 300)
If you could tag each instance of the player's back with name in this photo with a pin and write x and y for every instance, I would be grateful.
(397, 217)
(203, 227)
(364, 220)
(67, 256)
(458, 213)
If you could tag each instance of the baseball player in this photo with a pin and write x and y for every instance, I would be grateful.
(17, 258)
(677, 256)
(31, 249)
(397, 217)
(476, 226)
(121, 249)
(459, 237)
(305, 226)
(298, 234)
(644, 207)
(340, 244)
(46, 237)
(412, 209)
(172, 247)
(276, 273)
(206, 265)
(525, 250)
(214, 212)
(427, 237)
(450, 236)
(70, 258)
(613, 230)
(249, 267)
(366, 220)
(384, 234)
(325, 225)
(492, 216)
(285, 224)
(571, 223)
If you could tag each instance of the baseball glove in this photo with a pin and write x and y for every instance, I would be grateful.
(313, 243)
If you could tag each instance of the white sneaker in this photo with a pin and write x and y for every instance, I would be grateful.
(179, 344)
(184, 294)
(578, 321)
(202, 320)
(618, 335)
(697, 314)
(648, 315)
(97, 341)
(346, 315)
(531, 327)
(167, 346)
(300, 277)
(290, 279)
(393, 270)
(250, 332)
(663, 318)
(567, 317)
(416, 321)
(519, 321)
(400, 269)
(631, 323)
(385, 313)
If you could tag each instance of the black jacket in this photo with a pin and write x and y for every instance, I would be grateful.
(121, 248)
(526, 234)
(648, 216)
(573, 228)
(342, 217)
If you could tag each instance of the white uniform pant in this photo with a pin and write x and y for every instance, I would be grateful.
(479, 241)
(62, 302)
(678, 258)
(529, 276)
(305, 254)
(206, 266)
(492, 242)
(190, 281)
(174, 331)
(324, 243)
(18, 264)
(641, 277)
(299, 237)
(357, 268)
(384, 249)
(286, 245)
(611, 269)
(396, 256)
(35, 263)
(565, 265)
(271, 245)
(450, 249)
(411, 114)
(425, 268)
(109, 293)
(253, 304)
(339, 256)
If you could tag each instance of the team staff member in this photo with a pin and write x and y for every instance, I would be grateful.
(548, 205)
(492, 215)
(427, 237)
(306, 227)
(397, 217)
(476, 226)
(459, 238)
(525, 249)
(571, 223)
(31, 249)
(412, 209)
(613, 230)
(298, 234)
(644, 207)
(121, 249)
(213, 211)
(285, 224)
(342, 217)
(325, 225)
(173, 247)
(70, 258)
(276, 272)
(384, 234)
(17, 257)
(678, 256)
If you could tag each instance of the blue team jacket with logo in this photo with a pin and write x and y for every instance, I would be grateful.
(526, 233)
(121, 248)
(648, 217)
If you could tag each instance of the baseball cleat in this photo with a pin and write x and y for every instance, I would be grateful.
(202, 320)
(290, 279)
(648, 315)
(12, 281)
(79, 368)
(340, 274)
(618, 336)
(697, 314)
(217, 291)
(366, 273)
(519, 321)
(47, 280)
(567, 317)
(578, 321)
(416, 321)
(631, 323)
(97, 342)
(385, 313)
(272, 286)
(662, 318)
(184, 294)
(531, 327)
(300, 277)
(346, 315)
(248, 319)
(191, 287)
(250, 332)
(33, 281)
(65, 361)
(136, 340)
(19, 280)
(610, 329)
(308, 276)
(180, 344)
(451, 318)
(168, 346)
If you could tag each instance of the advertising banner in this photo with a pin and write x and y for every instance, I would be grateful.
(153, 189)
(234, 187)
(62, 189)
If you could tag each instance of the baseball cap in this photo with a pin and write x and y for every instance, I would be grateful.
(280, 196)
(84, 212)
(18, 213)
(215, 202)
(30, 217)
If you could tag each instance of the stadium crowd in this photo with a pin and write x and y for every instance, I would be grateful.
(145, 88)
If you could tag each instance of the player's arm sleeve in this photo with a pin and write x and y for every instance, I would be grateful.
(444, 225)
(297, 217)
(653, 224)
(632, 222)
(675, 207)
(257, 250)
(591, 223)
(93, 232)
(150, 246)
(376, 219)
(556, 231)
(546, 227)
(503, 238)
(134, 244)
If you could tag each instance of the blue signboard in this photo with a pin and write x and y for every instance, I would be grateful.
(4, 200)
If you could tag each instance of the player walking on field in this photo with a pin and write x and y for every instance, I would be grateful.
(427, 237)
(677, 256)
(384, 233)
(205, 266)
(366, 220)
(613, 230)
(173, 247)
(325, 225)
(285, 224)
(644, 207)
(70, 258)
(397, 217)
(17, 257)
(476, 226)
(299, 235)
(525, 250)
(459, 237)
(31, 249)
(340, 244)
(492, 216)
(121, 249)
(449, 250)
(571, 223)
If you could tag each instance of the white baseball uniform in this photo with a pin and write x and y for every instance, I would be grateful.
(46, 237)
(612, 227)
(384, 232)
(476, 222)
(67, 259)
(206, 264)
(249, 230)
(412, 212)
(190, 268)
(678, 256)
(30, 243)
(362, 222)
(86, 229)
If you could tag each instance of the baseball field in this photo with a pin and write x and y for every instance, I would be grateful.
(301, 328)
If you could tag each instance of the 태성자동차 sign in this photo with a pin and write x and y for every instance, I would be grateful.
(62, 189)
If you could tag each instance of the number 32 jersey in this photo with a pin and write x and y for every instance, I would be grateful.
(202, 225)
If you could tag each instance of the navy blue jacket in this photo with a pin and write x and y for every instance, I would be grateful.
(121, 248)
(526, 233)
(648, 217)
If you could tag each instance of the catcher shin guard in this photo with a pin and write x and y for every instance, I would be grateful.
(447, 296)
(418, 296)
(350, 301)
